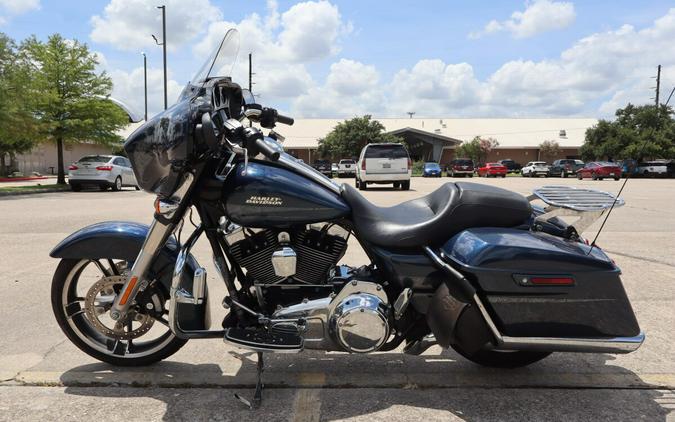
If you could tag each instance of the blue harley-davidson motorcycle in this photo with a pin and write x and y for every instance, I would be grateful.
(469, 266)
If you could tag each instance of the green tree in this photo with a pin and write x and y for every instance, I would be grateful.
(72, 98)
(477, 149)
(18, 126)
(349, 137)
(549, 149)
(638, 132)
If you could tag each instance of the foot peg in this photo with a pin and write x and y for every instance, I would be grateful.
(264, 341)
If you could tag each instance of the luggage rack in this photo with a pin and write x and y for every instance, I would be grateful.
(587, 205)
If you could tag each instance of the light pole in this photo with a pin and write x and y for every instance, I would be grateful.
(163, 44)
(145, 84)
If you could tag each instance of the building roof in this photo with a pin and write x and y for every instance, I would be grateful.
(511, 133)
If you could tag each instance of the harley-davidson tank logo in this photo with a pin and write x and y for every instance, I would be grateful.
(274, 201)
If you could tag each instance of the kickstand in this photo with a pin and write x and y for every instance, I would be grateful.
(257, 397)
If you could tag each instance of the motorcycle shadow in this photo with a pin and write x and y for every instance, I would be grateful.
(329, 386)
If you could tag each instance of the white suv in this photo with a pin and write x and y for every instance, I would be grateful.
(384, 163)
(535, 169)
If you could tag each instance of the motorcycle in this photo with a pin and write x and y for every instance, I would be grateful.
(501, 280)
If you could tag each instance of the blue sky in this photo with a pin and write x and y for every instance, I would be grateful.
(342, 58)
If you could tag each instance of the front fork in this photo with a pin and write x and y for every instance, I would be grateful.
(157, 236)
(160, 230)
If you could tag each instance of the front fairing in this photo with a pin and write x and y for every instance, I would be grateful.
(160, 149)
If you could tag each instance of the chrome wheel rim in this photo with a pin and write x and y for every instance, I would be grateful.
(130, 343)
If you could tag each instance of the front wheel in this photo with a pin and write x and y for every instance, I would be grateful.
(82, 293)
(405, 185)
(579, 176)
(502, 358)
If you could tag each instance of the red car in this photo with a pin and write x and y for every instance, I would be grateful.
(492, 169)
(597, 171)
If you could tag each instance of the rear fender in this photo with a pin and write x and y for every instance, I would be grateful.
(124, 240)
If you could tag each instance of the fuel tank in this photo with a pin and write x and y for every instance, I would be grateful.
(269, 196)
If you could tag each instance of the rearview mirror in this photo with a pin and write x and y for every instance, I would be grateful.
(248, 97)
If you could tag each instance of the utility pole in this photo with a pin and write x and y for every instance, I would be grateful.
(145, 84)
(411, 113)
(250, 72)
(658, 84)
(163, 44)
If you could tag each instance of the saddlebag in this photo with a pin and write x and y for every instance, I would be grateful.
(537, 285)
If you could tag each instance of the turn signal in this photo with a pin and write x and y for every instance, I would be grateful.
(104, 168)
(409, 164)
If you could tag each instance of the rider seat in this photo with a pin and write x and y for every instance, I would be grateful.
(434, 218)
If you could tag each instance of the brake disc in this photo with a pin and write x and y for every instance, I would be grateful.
(98, 302)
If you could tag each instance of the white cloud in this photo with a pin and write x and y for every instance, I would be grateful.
(282, 43)
(351, 88)
(16, 7)
(539, 16)
(306, 32)
(128, 87)
(596, 75)
(129, 24)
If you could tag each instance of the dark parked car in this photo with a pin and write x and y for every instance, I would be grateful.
(597, 170)
(460, 167)
(431, 170)
(511, 166)
(324, 166)
(564, 167)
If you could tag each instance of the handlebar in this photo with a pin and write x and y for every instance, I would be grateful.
(265, 149)
(285, 119)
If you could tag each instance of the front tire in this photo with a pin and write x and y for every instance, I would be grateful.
(69, 308)
(502, 358)
(405, 185)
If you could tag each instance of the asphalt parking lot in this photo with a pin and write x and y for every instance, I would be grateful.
(44, 377)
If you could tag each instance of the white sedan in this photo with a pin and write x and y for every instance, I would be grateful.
(104, 171)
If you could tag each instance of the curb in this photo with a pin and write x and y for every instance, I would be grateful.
(34, 192)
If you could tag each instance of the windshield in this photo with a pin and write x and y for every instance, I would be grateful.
(218, 64)
(431, 166)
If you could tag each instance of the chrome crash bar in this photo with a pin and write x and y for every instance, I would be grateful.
(178, 295)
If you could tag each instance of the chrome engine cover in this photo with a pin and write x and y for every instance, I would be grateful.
(359, 323)
(361, 307)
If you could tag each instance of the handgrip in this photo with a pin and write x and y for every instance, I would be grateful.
(265, 149)
(285, 120)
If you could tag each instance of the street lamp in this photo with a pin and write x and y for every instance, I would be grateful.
(145, 83)
(163, 44)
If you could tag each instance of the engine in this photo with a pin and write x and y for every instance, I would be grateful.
(302, 255)
(294, 271)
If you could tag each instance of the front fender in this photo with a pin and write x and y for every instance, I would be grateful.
(109, 239)
(123, 240)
